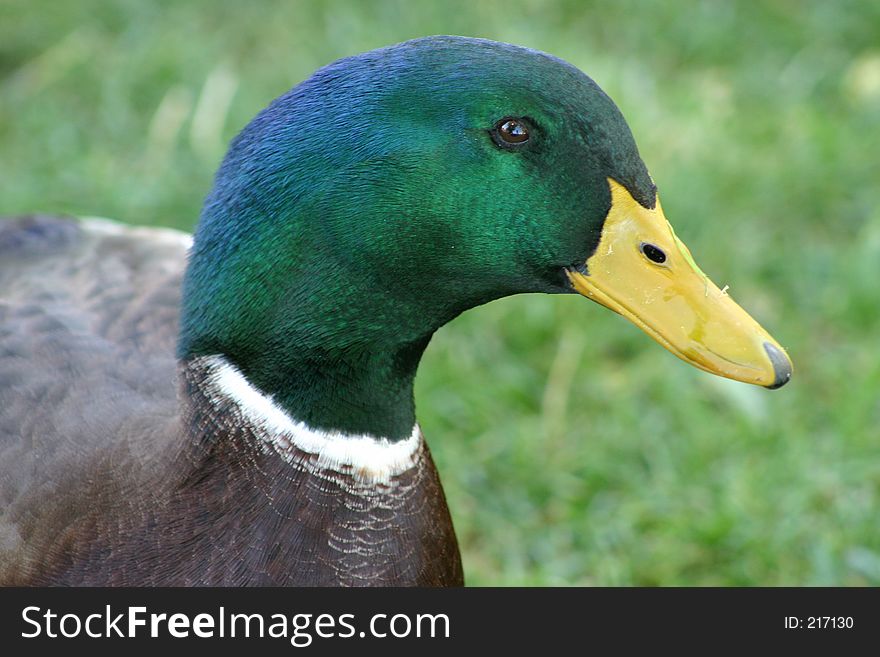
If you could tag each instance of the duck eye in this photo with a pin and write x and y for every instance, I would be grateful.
(653, 253)
(510, 132)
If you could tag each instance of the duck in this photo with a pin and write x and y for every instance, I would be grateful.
(235, 407)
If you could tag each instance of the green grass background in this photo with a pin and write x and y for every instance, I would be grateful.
(574, 450)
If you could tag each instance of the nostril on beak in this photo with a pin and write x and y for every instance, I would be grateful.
(781, 366)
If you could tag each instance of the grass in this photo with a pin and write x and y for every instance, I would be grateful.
(573, 449)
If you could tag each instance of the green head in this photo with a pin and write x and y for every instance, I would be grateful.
(382, 197)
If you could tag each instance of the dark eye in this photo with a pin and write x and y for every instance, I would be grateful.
(510, 132)
(653, 253)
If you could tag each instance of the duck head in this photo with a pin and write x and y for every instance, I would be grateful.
(393, 190)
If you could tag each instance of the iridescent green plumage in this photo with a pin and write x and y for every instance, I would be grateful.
(369, 206)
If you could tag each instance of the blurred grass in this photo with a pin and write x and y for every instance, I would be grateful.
(572, 448)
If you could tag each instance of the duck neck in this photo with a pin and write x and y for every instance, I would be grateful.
(345, 509)
(356, 391)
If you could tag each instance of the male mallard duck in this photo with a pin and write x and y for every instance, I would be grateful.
(350, 220)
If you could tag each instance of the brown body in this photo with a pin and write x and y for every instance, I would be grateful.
(116, 470)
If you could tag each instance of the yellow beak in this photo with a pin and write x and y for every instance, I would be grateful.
(644, 272)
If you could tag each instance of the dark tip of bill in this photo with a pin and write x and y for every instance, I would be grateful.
(781, 366)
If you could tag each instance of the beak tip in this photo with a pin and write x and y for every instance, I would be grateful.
(781, 366)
